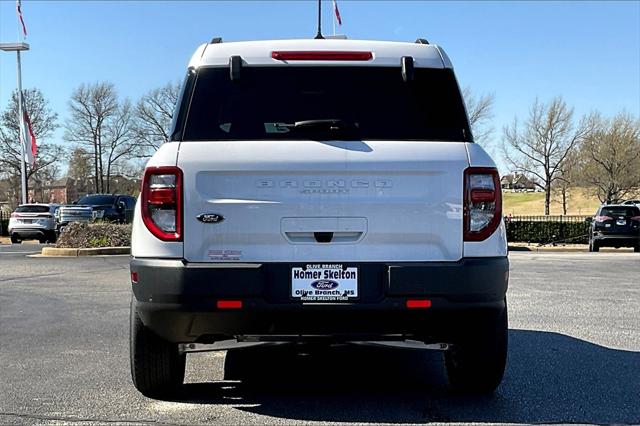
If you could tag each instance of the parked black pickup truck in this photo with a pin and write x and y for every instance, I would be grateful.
(108, 207)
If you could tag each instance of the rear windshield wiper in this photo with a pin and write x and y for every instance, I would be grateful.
(329, 124)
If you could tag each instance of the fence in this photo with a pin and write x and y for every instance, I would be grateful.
(4, 223)
(547, 229)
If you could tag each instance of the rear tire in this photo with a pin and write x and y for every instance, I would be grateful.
(15, 239)
(52, 237)
(595, 247)
(476, 363)
(636, 249)
(157, 368)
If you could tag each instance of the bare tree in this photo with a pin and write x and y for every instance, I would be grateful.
(153, 114)
(102, 124)
(90, 107)
(43, 123)
(119, 139)
(480, 112)
(611, 157)
(80, 169)
(567, 176)
(541, 146)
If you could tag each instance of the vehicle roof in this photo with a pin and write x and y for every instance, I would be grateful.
(385, 53)
(618, 205)
(38, 204)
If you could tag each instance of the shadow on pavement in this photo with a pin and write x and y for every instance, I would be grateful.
(550, 378)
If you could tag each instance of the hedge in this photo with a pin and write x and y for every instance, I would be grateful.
(538, 231)
(94, 235)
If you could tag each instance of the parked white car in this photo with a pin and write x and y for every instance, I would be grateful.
(319, 190)
(33, 222)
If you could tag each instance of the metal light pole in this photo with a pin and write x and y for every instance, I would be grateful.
(18, 47)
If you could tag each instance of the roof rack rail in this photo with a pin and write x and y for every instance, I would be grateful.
(422, 41)
(216, 40)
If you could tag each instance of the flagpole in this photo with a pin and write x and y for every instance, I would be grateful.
(22, 137)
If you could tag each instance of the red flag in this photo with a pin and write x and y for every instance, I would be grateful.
(28, 138)
(19, 11)
(337, 12)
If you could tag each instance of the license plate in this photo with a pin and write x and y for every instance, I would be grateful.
(621, 222)
(324, 283)
(27, 220)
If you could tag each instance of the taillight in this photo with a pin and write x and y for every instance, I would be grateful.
(229, 304)
(162, 202)
(321, 56)
(482, 203)
(603, 218)
(14, 215)
(636, 218)
(418, 303)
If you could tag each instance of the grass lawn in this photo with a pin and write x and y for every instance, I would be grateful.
(580, 202)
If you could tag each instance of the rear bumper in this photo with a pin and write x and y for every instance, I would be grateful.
(178, 300)
(32, 232)
(617, 240)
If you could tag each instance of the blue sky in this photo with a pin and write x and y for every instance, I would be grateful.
(588, 52)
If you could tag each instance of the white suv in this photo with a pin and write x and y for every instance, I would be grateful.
(33, 222)
(319, 189)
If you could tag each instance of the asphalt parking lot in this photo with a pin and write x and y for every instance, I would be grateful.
(574, 355)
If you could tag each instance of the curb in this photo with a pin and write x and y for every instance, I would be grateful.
(559, 249)
(75, 252)
(550, 249)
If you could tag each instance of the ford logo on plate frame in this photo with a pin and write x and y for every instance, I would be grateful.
(324, 284)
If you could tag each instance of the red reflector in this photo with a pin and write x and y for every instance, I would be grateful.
(482, 195)
(134, 277)
(322, 56)
(159, 196)
(229, 304)
(413, 304)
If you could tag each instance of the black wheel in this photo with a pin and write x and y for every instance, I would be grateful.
(476, 363)
(595, 246)
(15, 239)
(52, 237)
(157, 368)
(636, 249)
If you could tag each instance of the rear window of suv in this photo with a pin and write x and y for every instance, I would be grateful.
(374, 102)
(32, 209)
(620, 211)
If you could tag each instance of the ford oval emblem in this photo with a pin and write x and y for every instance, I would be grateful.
(324, 285)
(210, 218)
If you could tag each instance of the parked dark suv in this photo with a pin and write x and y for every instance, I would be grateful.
(615, 226)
